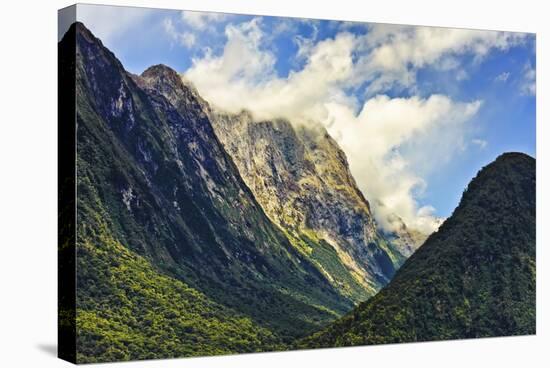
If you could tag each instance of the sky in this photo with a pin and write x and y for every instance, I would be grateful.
(417, 110)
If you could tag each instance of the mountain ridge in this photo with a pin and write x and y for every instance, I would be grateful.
(292, 152)
(474, 277)
(302, 181)
(166, 189)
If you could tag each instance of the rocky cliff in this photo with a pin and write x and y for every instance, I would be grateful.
(302, 180)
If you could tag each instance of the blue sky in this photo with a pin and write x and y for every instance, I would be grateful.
(418, 110)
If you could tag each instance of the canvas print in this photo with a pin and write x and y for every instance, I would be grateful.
(241, 183)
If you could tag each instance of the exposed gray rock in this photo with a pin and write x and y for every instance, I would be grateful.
(302, 180)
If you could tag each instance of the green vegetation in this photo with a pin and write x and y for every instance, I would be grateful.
(127, 310)
(325, 258)
(324, 255)
(475, 277)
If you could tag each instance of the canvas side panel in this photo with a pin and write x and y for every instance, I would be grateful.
(66, 131)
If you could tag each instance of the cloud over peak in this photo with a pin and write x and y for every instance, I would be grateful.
(404, 102)
(243, 76)
(392, 143)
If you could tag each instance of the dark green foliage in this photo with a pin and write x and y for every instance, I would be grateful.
(475, 277)
(129, 311)
(327, 257)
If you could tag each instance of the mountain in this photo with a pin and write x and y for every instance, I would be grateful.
(200, 232)
(404, 239)
(474, 277)
(154, 180)
(302, 180)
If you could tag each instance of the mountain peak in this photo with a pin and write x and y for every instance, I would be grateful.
(508, 169)
(162, 74)
(513, 156)
(160, 70)
(80, 29)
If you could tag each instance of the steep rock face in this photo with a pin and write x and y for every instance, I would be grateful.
(301, 178)
(474, 277)
(151, 169)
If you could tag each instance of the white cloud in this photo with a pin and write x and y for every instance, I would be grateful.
(481, 143)
(306, 44)
(529, 84)
(244, 77)
(461, 75)
(393, 54)
(284, 26)
(382, 58)
(502, 77)
(186, 39)
(107, 22)
(392, 144)
(192, 25)
(238, 69)
(202, 21)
